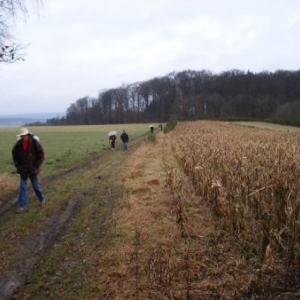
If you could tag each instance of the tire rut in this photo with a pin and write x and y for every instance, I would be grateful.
(33, 248)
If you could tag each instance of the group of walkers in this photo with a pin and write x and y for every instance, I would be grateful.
(124, 138)
(152, 127)
(28, 156)
(112, 136)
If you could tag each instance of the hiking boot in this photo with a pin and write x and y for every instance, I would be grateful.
(20, 209)
(43, 202)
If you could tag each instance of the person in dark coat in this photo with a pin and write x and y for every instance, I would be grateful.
(151, 128)
(125, 140)
(112, 139)
(28, 156)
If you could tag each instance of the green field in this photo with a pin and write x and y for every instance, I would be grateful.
(266, 125)
(66, 145)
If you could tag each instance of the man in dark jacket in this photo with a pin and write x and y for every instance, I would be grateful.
(28, 156)
(125, 140)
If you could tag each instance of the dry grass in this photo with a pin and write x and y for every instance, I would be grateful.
(218, 229)
(161, 245)
(145, 226)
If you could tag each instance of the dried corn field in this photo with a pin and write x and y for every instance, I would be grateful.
(235, 205)
(250, 179)
(249, 176)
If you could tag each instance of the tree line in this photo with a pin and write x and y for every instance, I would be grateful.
(191, 95)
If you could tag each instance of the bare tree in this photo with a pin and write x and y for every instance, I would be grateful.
(10, 51)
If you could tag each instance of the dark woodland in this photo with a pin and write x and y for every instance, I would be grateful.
(193, 95)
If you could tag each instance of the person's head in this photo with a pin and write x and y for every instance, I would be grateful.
(24, 134)
(124, 131)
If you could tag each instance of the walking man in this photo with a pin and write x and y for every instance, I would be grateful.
(28, 156)
(125, 140)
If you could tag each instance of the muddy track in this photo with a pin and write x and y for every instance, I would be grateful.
(33, 248)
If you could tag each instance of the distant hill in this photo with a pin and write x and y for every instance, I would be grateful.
(33, 116)
(21, 119)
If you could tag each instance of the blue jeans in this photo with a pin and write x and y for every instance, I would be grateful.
(22, 200)
(125, 146)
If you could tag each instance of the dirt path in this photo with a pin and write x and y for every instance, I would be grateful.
(170, 234)
(32, 247)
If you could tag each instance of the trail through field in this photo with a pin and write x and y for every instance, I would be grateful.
(182, 252)
(29, 249)
(129, 226)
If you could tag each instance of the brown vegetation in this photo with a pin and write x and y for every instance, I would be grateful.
(207, 211)
(221, 224)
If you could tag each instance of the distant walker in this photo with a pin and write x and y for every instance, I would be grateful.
(125, 140)
(151, 128)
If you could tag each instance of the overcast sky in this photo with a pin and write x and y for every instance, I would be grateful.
(77, 48)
